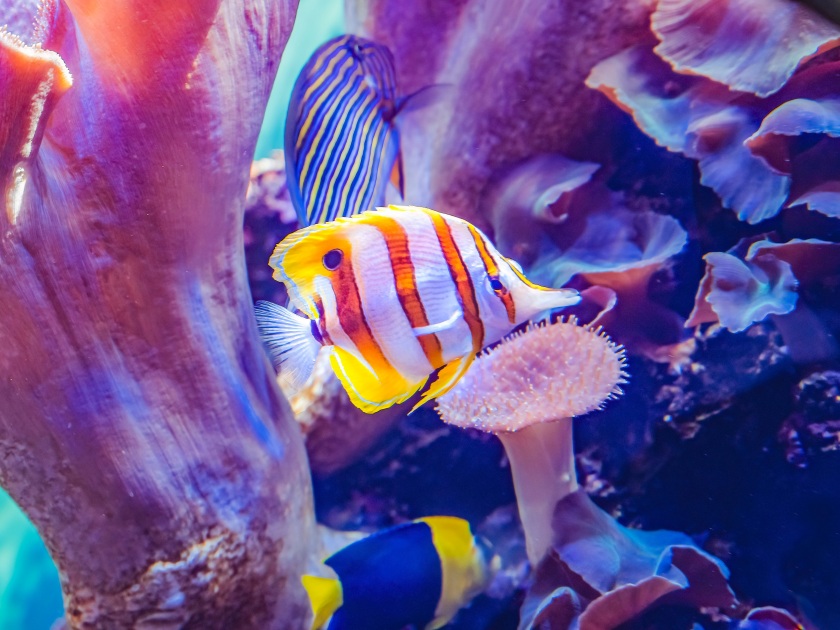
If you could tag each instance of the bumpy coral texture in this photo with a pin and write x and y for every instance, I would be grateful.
(140, 429)
(545, 373)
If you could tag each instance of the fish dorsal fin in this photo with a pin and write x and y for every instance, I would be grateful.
(370, 391)
(290, 342)
(325, 597)
(446, 377)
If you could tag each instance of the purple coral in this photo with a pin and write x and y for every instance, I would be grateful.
(140, 426)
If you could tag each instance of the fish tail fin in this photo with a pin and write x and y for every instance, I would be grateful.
(289, 340)
(325, 597)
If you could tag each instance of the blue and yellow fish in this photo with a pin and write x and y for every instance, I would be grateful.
(418, 575)
(396, 295)
(342, 143)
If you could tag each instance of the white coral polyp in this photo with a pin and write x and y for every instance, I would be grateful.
(544, 373)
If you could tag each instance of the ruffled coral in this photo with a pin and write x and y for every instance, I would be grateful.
(736, 293)
(748, 45)
(793, 118)
(702, 121)
(600, 574)
(515, 90)
(541, 190)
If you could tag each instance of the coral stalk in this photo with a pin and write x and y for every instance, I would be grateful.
(526, 390)
(542, 462)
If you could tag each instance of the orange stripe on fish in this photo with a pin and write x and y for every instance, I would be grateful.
(396, 240)
(493, 272)
(461, 278)
(352, 320)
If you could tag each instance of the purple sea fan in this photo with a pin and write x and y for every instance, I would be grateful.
(140, 426)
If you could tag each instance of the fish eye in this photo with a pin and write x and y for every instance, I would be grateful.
(497, 285)
(356, 50)
(332, 259)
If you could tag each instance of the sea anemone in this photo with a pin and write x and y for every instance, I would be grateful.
(526, 390)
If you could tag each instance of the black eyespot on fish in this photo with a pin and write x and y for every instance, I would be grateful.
(332, 259)
(497, 285)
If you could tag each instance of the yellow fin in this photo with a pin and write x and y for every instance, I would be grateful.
(325, 597)
(370, 392)
(463, 566)
(445, 379)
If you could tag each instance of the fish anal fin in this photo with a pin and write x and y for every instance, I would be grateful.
(370, 392)
(446, 377)
(325, 597)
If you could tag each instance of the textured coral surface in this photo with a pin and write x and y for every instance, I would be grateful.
(140, 429)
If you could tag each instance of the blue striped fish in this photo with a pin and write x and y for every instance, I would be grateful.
(342, 145)
(397, 295)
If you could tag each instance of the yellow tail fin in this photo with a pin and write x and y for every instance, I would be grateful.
(325, 597)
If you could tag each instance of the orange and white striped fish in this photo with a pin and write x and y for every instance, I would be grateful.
(396, 295)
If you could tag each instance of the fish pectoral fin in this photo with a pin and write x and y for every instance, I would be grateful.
(370, 391)
(325, 597)
(424, 97)
(440, 326)
(289, 340)
(446, 377)
(397, 175)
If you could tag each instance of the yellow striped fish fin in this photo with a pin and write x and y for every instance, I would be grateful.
(446, 378)
(368, 391)
(325, 597)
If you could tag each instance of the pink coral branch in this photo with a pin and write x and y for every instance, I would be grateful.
(141, 429)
